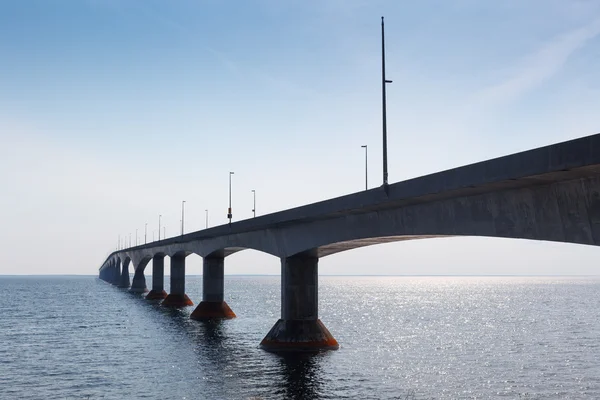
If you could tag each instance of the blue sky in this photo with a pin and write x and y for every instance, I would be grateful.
(113, 112)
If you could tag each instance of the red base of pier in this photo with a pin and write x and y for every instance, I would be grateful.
(298, 335)
(212, 310)
(177, 300)
(156, 295)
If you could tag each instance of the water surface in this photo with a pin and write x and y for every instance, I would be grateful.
(400, 337)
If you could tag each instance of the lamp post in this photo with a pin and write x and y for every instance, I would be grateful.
(159, 217)
(366, 172)
(130, 240)
(254, 204)
(182, 215)
(206, 211)
(146, 233)
(136, 237)
(119, 243)
(153, 235)
(383, 83)
(229, 214)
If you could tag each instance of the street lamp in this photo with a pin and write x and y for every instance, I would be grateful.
(384, 125)
(229, 214)
(119, 245)
(254, 204)
(136, 237)
(206, 211)
(182, 216)
(146, 233)
(366, 174)
(159, 217)
(130, 240)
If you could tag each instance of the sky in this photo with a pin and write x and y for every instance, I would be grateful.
(115, 111)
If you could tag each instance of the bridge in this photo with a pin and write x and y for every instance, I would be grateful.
(550, 193)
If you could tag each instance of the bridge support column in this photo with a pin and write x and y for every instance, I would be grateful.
(212, 306)
(124, 281)
(139, 282)
(104, 274)
(299, 328)
(158, 279)
(116, 273)
(177, 297)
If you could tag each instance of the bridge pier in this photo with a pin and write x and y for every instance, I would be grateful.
(124, 281)
(158, 279)
(177, 297)
(299, 328)
(212, 306)
(116, 273)
(139, 281)
(105, 273)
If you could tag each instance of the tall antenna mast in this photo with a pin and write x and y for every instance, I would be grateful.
(383, 82)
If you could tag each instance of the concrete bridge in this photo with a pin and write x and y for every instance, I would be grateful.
(550, 193)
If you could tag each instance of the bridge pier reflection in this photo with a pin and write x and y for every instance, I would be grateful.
(299, 328)
(158, 278)
(177, 297)
(213, 305)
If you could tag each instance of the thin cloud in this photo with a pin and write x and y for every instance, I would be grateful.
(542, 65)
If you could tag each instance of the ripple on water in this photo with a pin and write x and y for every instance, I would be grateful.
(442, 338)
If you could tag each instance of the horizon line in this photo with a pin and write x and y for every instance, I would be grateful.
(343, 275)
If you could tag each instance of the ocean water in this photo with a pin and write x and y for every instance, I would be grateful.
(400, 338)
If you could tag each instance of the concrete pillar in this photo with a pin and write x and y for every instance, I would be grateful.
(116, 275)
(124, 281)
(299, 328)
(177, 297)
(212, 306)
(158, 279)
(139, 281)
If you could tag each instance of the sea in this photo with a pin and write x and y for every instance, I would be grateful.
(415, 338)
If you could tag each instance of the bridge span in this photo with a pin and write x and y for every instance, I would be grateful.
(550, 193)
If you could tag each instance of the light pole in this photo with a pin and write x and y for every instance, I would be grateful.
(146, 233)
(383, 82)
(159, 217)
(254, 204)
(182, 215)
(229, 214)
(153, 235)
(130, 240)
(206, 211)
(136, 237)
(366, 172)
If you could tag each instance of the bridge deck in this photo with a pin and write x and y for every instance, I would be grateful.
(573, 159)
